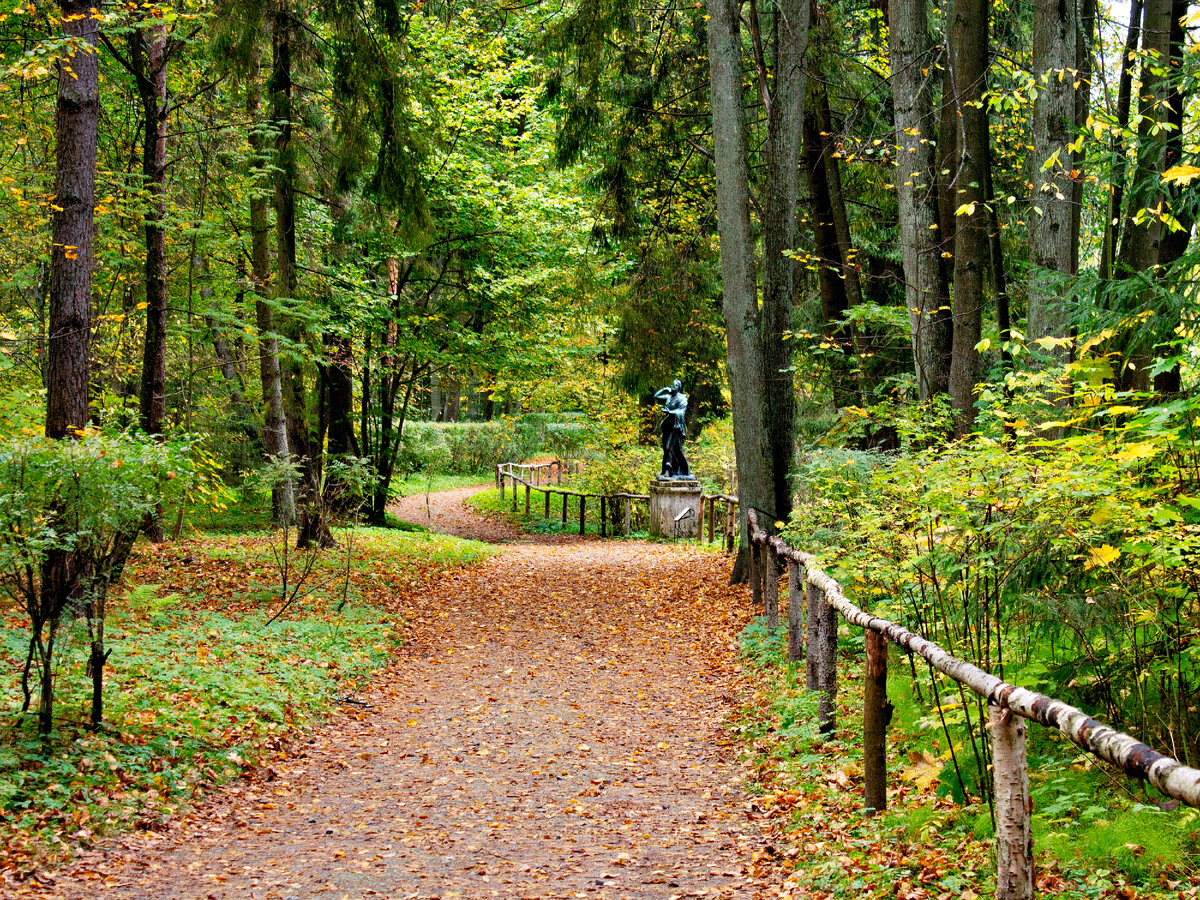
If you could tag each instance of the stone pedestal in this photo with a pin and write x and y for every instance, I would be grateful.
(675, 509)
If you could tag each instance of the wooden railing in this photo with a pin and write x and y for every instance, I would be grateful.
(816, 641)
(616, 510)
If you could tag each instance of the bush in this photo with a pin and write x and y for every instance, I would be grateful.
(70, 512)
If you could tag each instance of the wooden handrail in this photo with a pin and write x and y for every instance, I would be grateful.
(1006, 701)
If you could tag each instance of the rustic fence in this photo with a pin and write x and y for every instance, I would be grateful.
(811, 590)
(616, 510)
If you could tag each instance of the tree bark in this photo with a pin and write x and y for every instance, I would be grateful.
(792, 19)
(1052, 251)
(1112, 223)
(876, 713)
(275, 439)
(1014, 836)
(72, 251)
(912, 56)
(969, 57)
(758, 482)
(148, 55)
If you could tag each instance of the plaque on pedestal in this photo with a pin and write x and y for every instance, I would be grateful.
(675, 508)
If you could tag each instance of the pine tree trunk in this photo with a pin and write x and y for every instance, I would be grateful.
(748, 386)
(917, 187)
(275, 441)
(1051, 220)
(791, 32)
(72, 255)
(969, 56)
(148, 55)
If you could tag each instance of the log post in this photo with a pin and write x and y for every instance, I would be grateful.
(627, 513)
(582, 506)
(770, 575)
(564, 511)
(527, 499)
(514, 493)
(603, 517)
(876, 714)
(730, 526)
(756, 591)
(712, 518)
(827, 674)
(812, 599)
(546, 494)
(795, 611)
(500, 479)
(1014, 836)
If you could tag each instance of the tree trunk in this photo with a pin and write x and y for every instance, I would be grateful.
(311, 524)
(1014, 837)
(148, 56)
(969, 56)
(835, 302)
(275, 440)
(757, 478)
(917, 188)
(72, 254)
(791, 36)
(1051, 220)
(1112, 222)
(341, 399)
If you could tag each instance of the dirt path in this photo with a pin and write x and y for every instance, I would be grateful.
(554, 733)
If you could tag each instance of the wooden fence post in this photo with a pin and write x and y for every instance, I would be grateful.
(730, 526)
(546, 494)
(876, 713)
(527, 500)
(1014, 835)
(564, 513)
(582, 505)
(514, 493)
(500, 478)
(795, 611)
(812, 598)
(627, 514)
(756, 591)
(770, 567)
(821, 663)
(603, 517)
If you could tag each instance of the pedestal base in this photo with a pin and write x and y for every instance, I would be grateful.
(675, 509)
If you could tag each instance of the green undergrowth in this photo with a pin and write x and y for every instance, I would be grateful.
(419, 484)
(200, 687)
(1096, 834)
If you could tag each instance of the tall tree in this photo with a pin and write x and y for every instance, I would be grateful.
(1052, 235)
(969, 63)
(759, 355)
(912, 69)
(73, 232)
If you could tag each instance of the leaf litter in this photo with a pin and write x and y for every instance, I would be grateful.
(553, 727)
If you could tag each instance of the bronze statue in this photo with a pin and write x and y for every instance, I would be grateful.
(674, 464)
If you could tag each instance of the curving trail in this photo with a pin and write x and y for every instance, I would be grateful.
(555, 731)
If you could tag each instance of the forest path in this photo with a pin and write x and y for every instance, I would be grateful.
(554, 731)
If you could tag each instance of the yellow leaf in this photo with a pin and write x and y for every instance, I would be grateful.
(1181, 174)
(1101, 556)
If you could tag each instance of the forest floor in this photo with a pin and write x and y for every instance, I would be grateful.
(557, 730)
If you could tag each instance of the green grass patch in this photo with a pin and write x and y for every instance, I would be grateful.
(199, 685)
(419, 484)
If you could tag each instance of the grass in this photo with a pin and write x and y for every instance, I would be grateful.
(1092, 838)
(199, 686)
(246, 511)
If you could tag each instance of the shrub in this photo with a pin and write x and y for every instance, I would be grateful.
(69, 514)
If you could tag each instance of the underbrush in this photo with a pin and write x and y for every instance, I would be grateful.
(201, 687)
(1095, 834)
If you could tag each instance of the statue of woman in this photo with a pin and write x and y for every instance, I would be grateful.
(674, 464)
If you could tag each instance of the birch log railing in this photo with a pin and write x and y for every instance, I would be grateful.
(816, 641)
(615, 510)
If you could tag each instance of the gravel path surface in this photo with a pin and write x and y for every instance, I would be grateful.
(554, 732)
